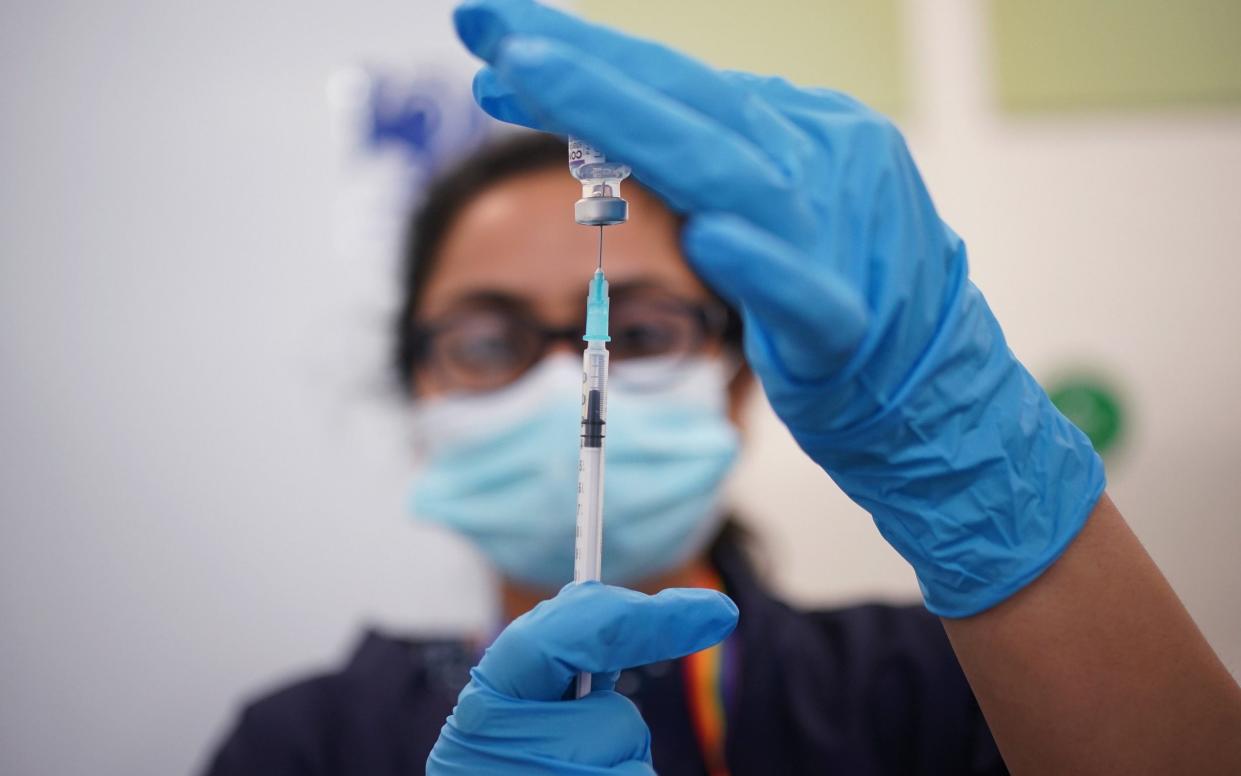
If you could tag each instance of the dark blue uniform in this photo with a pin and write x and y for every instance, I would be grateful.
(858, 691)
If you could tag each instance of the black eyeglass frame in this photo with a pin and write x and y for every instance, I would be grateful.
(715, 321)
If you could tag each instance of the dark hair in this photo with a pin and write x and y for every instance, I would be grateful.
(444, 200)
(510, 156)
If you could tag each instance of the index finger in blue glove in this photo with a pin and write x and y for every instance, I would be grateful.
(499, 101)
(599, 628)
(691, 159)
(483, 24)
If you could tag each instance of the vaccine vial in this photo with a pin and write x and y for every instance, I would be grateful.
(601, 203)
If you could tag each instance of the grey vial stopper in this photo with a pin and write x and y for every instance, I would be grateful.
(600, 211)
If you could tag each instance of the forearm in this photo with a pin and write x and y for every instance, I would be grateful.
(1096, 667)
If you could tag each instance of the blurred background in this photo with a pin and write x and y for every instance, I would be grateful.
(203, 473)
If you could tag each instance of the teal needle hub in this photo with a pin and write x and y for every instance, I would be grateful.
(597, 309)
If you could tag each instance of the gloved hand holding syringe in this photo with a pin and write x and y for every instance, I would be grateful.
(601, 205)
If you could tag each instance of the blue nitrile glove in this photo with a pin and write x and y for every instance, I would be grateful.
(511, 718)
(806, 211)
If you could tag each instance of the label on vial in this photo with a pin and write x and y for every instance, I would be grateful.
(580, 153)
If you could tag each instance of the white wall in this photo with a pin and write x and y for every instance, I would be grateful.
(200, 484)
(201, 487)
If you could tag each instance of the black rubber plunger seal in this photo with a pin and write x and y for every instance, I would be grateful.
(592, 424)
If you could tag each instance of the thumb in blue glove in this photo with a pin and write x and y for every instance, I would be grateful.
(511, 718)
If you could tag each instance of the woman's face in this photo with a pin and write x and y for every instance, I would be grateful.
(516, 246)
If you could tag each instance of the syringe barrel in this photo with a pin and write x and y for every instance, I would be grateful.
(588, 549)
(594, 394)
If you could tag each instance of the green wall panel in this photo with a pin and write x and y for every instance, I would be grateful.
(857, 46)
(1072, 54)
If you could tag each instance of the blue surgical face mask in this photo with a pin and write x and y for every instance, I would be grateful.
(501, 469)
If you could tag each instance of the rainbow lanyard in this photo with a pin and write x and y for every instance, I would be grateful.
(705, 674)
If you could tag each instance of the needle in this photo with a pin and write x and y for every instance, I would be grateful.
(600, 248)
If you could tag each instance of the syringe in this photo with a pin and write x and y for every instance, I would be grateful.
(588, 551)
(600, 206)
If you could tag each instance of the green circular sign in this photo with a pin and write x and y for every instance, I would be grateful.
(1092, 407)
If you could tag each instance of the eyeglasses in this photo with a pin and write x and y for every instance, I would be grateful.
(494, 342)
